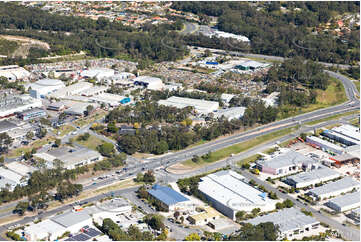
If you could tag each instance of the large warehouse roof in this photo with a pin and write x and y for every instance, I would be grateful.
(288, 159)
(201, 106)
(49, 82)
(346, 200)
(344, 183)
(314, 175)
(167, 195)
(287, 219)
(71, 218)
(228, 188)
(349, 131)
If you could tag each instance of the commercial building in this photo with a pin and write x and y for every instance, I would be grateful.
(10, 179)
(79, 108)
(151, 83)
(201, 106)
(226, 98)
(47, 230)
(290, 222)
(207, 215)
(343, 185)
(44, 87)
(309, 178)
(73, 221)
(346, 202)
(71, 157)
(344, 159)
(284, 164)
(324, 145)
(251, 65)
(74, 89)
(169, 199)
(32, 114)
(56, 106)
(111, 100)
(14, 72)
(95, 90)
(343, 139)
(230, 113)
(6, 126)
(97, 73)
(227, 192)
(11, 104)
(349, 131)
(353, 150)
(121, 78)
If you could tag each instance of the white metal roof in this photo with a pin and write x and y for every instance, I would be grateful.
(287, 219)
(346, 200)
(228, 188)
(288, 159)
(201, 106)
(344, 183)
(314, 175)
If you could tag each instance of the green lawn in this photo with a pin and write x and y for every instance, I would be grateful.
(333, 95)
(64, 129)
(331, 117)
(91, 143)
(237, 148)
(355, 122)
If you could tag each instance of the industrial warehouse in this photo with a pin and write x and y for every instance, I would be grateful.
(305, 179)
(169, 199)
(284, 164)
(346, 202)
(200, 106)
(330, 189)
(291, 221)
(228, 193)
(43, 87)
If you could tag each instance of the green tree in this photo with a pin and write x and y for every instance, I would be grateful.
(5, 142)
(29, 135)
(240, 215)
(106, 149)
(192, 237)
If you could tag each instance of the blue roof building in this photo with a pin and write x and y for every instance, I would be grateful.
(167, 196)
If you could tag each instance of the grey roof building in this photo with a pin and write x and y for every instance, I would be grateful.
(290, 221)
(345, 202)
(6, 126)
(71, 218)
(305, 179)
(284, 164)
(345, 184)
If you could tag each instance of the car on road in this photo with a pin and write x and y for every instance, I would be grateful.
(74, 133)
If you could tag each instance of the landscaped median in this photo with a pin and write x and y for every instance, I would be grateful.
(235, 149)
(331, 117)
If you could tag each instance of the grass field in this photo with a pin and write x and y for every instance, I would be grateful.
(36, 144)
(237, 148)
(333, 95)
(331, 117)
(355, 122)
(91, 143)
(64, 129)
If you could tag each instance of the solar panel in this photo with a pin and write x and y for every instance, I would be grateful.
(92, 232)
(80, 237)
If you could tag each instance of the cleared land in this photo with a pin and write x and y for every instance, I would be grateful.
(91, 143)
(64, 129)
(91, 119)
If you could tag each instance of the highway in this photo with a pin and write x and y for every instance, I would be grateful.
(352, 104)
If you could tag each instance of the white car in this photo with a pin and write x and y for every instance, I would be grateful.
(74, 133)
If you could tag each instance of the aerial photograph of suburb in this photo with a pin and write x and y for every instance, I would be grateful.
(162, 120)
